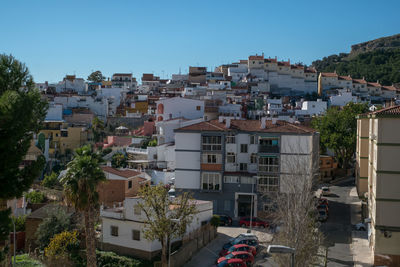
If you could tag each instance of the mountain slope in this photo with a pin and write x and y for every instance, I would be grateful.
(375, 60)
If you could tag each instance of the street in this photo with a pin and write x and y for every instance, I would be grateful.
(337, 229)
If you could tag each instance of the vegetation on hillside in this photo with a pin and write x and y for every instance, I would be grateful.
(381, 65)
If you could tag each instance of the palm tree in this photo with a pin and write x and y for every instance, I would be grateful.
(80, 184)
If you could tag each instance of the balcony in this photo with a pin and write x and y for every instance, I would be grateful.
(268, 149)
(134, 150)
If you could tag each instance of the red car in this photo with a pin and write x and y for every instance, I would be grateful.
(243, 255)
(239, 247)
(245, 222)
(232, 263)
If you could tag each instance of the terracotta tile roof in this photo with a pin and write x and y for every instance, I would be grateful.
(329, 74)
(347, 78)
(284, 63)
(270, 60)
(126, 173)
(256, 57)
(390, 87)
(362, 81)
(243, 61)
(394, 110)
(310, 70)
(373, 84)
(249, 126)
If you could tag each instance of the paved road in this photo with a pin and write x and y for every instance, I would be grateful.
(337, 229)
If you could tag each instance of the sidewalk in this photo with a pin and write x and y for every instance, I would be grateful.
(362, 255)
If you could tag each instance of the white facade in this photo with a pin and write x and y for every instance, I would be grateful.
(130, 218)
(165, 129)
(54, 112)
(98, 105)
(77, 85)
(343, 97)
(178, 107)
(312, 108)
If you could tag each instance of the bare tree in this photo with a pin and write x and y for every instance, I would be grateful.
(295, 209)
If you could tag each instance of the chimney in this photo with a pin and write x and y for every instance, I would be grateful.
(228, 122)
(263, 120)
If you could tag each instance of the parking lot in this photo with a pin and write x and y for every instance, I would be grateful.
(207, 255)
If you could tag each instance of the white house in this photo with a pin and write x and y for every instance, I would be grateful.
(311, 108)
(178, 107)
(343, 97)
(71, 83)
(122, 228)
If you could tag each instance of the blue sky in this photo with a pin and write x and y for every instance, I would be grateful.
(55, 38)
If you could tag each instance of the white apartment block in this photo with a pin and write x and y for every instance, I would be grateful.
(178, 107)
(230, 161)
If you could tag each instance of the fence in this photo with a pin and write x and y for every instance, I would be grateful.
(191, 243)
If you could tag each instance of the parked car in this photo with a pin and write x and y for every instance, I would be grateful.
(250, 240)
(325, 191)
(232, 263)
(238, 247)
(323, 207)
(323, 201)
(245, 222)
(245, 235)
(322, 215)
(248, 258)
(361, 227)
(225, 220)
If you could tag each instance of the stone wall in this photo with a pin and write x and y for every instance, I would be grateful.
(131, 123)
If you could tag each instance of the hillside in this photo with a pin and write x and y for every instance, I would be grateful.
(375, 60)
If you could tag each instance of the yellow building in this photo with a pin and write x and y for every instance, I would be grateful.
(63, 137)
(383, 164)
(138, 107)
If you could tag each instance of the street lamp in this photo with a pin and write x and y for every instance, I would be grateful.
(282, 250)
(169, 249)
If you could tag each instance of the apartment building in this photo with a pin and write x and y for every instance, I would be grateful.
(124, 80)
(231, 162)
(378, 153)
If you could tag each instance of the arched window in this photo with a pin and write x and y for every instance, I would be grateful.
(160, 109)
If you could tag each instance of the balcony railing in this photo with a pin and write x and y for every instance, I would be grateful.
(135, 150)
(268, 149)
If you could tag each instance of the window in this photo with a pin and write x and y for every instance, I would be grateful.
(231, 179)
(129, 184)
(211, 181)
(114, 230)
(137, 210)
(136, 235)
(230, 139)
(268, 164)
(198, 107)
(253, 158)
(253, 139)
(227, 205)
(230, 157)
(269, 141)
(243, 166)
(243, 148)
(211, 158)
(211, 143)
(247, 180)
(268, 183)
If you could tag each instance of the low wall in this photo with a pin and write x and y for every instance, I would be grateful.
(131, 123)
(192, 243)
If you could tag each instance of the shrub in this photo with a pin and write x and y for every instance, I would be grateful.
(51, 180)
(24, 260)
(215, 220)
(35, 197)
(19, 223)
(57, 221)
(118, 160)
(109, 259)
(62, 244)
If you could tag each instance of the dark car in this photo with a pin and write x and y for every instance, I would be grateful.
(323, 207)
(245, 222)
(238, 247)
(225, 220)
(232, 263)
(248, 258)
(242, 239)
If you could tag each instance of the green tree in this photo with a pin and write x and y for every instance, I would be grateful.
(21, 114)
(98, 129)
(63, 247)
(96, 77)
(338, 129)
(163, 223)
(56, 221)
(80, 183)
(35, 197)
(118, 160)
(51, 180)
